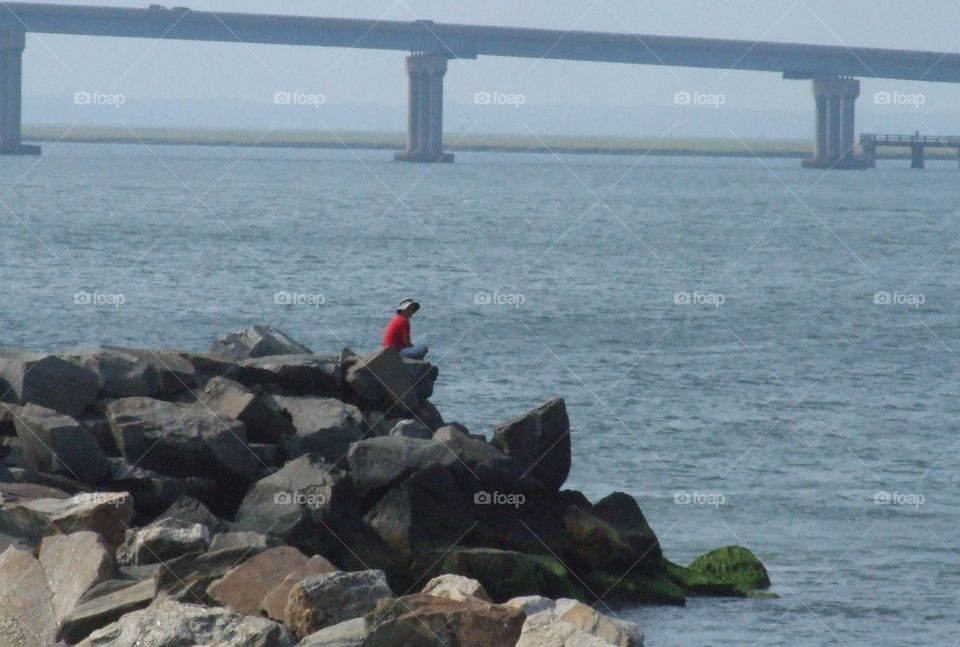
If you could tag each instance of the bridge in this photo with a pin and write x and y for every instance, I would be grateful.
(917, 144)
(833, 69)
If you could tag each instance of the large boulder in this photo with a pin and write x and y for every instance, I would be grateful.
(588, 543)
(153, 493)
(162, 540)
(456, 587)
(378, 463)
(295, 374)
(274, 602)
(612, 631)
(55, 443)
(545, 629)
(25, 600)
(105, 604)
(46, 380)
(188, 578)
(324, 600)
(263, 419)
(325, 426)
(410, 428)
(728, 571)
(180, 440)
(73, 564)
(171, 623)
(382, 381)
(540, 442)
(106, 513)
(422, 620)
(119, 374)
(245, 586)
(256, 341)
(349, 633)
(621, 511)
(175, 372)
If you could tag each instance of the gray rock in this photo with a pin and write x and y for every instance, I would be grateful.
(187, 578)
(162, 540)
(189, 509)
(40, 379)
(324, 426)
(545, 629)
(169, 624)
(611, 631)
(295, 374)
(382, 381)
(58, 444)
(26, 598)
(119, 374)
(349, 633)
(73, 564)
(105, 513)
(262, 417)
(174, 370)
(178, 440)
(243, 539)
(456, 587)
(531, 604)
(256, 341)
(104, 605)
(376, 463)
(540, 442)
(409, 428)
(322, 601)
(152, 492)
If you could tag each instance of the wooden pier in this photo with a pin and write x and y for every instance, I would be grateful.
(917, 144)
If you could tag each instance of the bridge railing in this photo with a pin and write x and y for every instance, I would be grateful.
(930, 140)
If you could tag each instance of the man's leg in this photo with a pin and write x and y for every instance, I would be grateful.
(418, 351)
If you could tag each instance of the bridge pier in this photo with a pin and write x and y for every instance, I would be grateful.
(917, 156)
(835, 124)
(425, 107)
(11, 89)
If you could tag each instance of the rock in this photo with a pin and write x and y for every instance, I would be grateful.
(162, 540)
(377, 463)
(275, 601)
(424, 376)
(503, 574)
(349, 633)
(26, 598)
(325, 426)
(15, 492)
(190, 510)
(591, 543)
(106, 513)
(55, 443)
(456, 587)
(409, 428)
(429, 415)
(245, 586)
(531, 604)
(377, 424)
(612, 631)
(119, 375)
(256, 341)
(180, 441)
(188, 578)
(727, 571)
(73, 564)
(425, 511)
(153, 493)
(622, 512)
(243, 539)
(540, 442)
(170, 623)
(422, 620)
(174, 370)
(295, 374)
(382, 381)
(321, 601)
(297, 504)
(547, 630)
(263, 419)
(7, 416)
(99, 428)
(39, 379)
(97, 611)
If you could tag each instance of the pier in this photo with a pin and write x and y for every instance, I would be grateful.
(917, 144)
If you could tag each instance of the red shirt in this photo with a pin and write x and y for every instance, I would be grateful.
(397, 334)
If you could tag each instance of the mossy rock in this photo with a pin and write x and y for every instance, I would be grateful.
(504, 574)
(654, 589)
(729, 571)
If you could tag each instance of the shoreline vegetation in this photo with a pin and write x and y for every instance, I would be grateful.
(265, 492)
(501, 143)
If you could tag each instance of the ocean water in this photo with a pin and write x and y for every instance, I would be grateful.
(763, 355)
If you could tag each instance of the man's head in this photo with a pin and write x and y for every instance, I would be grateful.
(408, 308)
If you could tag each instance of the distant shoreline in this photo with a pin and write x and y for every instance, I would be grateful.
(548, 144)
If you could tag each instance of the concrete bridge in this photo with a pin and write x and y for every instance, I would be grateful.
(833, 69)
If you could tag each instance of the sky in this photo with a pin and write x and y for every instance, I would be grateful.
(206, 84)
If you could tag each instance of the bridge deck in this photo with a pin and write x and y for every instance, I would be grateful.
(909, 140)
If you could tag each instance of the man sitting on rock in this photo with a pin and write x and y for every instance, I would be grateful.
(397, 333)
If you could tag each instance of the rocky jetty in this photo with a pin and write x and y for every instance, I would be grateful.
(263, 495)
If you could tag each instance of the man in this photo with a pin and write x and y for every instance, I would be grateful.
(397, 333)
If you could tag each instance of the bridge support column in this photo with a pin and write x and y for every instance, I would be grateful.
(11, 88)
(835, 124)
(425, 105)
(917, 156)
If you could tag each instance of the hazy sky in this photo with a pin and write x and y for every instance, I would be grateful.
(57, 66)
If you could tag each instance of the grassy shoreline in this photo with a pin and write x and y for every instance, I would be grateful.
(550, 144)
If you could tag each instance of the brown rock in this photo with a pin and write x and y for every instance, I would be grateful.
(26, 598)
(74, 564)
(275, 601)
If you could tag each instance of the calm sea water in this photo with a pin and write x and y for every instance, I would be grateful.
(782, 400)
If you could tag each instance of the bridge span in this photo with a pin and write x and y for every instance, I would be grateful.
(833, 69)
